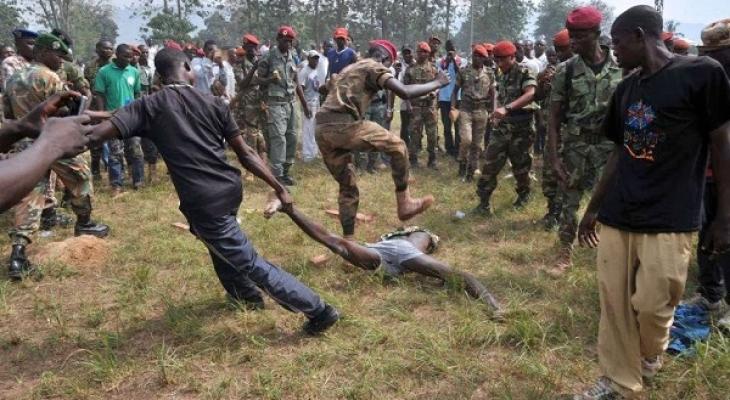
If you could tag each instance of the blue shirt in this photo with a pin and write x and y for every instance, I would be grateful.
(453, 70)
(339, 60)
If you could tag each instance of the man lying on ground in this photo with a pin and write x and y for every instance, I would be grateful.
(405, 250)
(191, 130)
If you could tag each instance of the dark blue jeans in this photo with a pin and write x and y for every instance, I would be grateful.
(242, 272)
(714, 273)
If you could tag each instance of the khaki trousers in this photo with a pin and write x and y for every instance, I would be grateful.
(641, 279)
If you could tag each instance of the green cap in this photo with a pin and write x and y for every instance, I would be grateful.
(48, 41)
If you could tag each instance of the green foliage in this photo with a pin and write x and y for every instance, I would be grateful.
(496, 20)
(551, 16)
(169, 26)
(9, 19)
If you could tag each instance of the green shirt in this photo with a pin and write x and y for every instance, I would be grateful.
(118, 86)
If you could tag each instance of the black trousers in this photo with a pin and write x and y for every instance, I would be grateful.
(714, 273)
(451, 137)
(405, 120)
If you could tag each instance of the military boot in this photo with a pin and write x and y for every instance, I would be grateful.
(286, 178)
(84, 224)
(552, 218)
(469, 175)
(19, 264)
(432, 162)
(409, 207)
(413, 159)
(462, 169)
(522, 200)
(51, 217)
(483, 209)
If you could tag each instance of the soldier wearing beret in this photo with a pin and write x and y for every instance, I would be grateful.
(247, 106)
(514, 129)
(25, 90)
(580, 93)
(423, 114)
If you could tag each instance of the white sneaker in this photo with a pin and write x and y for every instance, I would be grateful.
(601, 390)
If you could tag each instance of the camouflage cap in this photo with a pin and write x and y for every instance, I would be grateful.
(716, 35)
(48, 41)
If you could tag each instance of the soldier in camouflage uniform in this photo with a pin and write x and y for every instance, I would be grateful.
(477, 85)
(376, 113)
(104, 53)
(278, 74)
(581, 90)
(25, 90)
(514, 129)
(423, 108)
(247, 106)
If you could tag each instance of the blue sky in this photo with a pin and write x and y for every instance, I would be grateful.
(693, 15)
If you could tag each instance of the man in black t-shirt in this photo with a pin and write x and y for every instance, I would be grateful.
(662, 119)
(190, 130)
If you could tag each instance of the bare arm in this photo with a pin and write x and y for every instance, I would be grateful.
(587, 229)
(300, 94)
(99, 101)
(250, 160)
(416, 90)
(527, 97)
(718, 239)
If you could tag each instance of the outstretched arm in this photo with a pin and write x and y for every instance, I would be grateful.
(429, 266)
(416, 90)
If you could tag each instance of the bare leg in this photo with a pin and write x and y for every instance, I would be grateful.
(429, 266)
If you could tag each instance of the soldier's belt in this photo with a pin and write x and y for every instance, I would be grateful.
(334, 118)
(519, 116)
(468, 105)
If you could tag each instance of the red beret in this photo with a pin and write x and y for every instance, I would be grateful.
(681, 44)
(667, 36)
(480, 50)
(171, 44)
(287, 32)
(504, 48)
(561, 38)
(387, 45)
(240, 51)
(424, 47)
(135, 49)
(341, 33)
(587, 17)
(249, 38)
(489, 47)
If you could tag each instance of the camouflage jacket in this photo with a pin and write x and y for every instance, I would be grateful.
(250, 95)
(475, 86)
(30, 87)
(10, 66)
(91, 70)
(511, 86)
(283, 65)
(421, 73)
(587, 95)
(72, 77)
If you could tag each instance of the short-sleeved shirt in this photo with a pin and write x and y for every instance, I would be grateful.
(285, 87)
(338, 60)
(452, 70)
(588, 95)
(190, 129)
(662, 124)
(475, 85)
(120, 86)
(511, 86)
(419, 74)
(352, 90)
(31, 86)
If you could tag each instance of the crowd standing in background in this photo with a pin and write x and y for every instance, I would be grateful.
(637, 121)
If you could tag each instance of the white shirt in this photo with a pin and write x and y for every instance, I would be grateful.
(206, 72)
(532, 64)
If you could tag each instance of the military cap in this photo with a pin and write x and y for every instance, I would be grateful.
(240, 51)
(488, 46)
(423, 46)
(480, 50)
(504, 48)
(286, 32)
(587, 17)
(249, 38)
(48, 41)
(342, 33)
(171, 44)
(24, 34)
(562, 38)
(681, 44)
(388, 46)
(716, 35)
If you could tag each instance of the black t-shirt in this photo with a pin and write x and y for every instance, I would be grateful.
(663, 122)
(189, 129)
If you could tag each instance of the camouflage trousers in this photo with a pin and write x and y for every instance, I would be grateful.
(129, 150)
(583, 163)
(376, 113)
(149, 151)
(338, 140)
(76, 177)
(509, 140)
(550, 184)
(282, 135)
(423, 118)
(473, 126)
(255, 140)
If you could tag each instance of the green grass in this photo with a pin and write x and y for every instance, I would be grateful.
(154, 323)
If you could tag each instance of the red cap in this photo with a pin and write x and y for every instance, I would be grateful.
(667, 36)
(504, 48)
(249, 38)
(341, 33)
(286, 32)
(240, 52)
(480, 50)
(561, 38)
(424, 47)
(681, 44)
(587, 17)
(135, 49)
(387, 45)
(171, 44)
(489, 47)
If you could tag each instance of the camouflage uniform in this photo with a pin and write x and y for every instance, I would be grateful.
(96, 151)
(72, 78)
(476, 87)
(585, 150)
(512, 137)
(25, 90)
(424, 111)
(342, 129)
(249, 109)
(376, 113)
(279, 97)
(9, 66)
(550, 185)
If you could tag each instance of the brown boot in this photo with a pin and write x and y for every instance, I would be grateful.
(563, 263)
(409, 207)
(151, 172)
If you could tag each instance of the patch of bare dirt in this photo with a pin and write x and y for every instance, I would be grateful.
(82, 251)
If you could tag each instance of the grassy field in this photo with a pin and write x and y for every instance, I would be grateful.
(153, 322)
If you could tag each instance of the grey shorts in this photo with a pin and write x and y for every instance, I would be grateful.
(393, 253)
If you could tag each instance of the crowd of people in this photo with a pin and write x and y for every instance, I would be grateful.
(631, 118)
